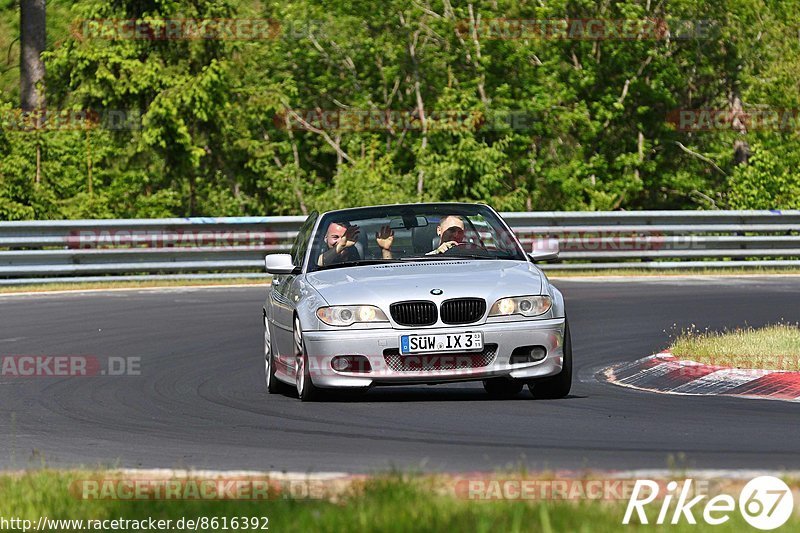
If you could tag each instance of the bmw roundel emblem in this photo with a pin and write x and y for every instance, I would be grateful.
(436, 292)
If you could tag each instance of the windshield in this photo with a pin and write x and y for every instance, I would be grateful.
(411, 233)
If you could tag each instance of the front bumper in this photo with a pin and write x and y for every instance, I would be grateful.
(323, 346)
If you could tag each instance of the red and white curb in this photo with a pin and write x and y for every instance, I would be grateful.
(664, 373)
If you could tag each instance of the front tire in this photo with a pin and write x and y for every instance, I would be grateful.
(559, 385)
(274, 386)
(306, 390)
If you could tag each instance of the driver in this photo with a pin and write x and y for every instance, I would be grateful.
(448, 238)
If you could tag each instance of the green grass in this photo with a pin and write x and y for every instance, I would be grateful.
(555, 273)
(133, 284)
(385, 503)
(775, 347)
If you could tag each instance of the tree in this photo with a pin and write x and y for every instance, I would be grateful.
(357, 101)
(33, 39)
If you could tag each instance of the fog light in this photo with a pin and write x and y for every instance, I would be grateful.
(351, 363)
(538, 353)
(527, 354)
(340, 364)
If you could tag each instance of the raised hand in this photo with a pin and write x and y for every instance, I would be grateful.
(349, 238)
(385, 238)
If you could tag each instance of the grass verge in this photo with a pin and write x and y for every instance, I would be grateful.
(128, 284)
(774, 347)
(555, 273)
(385, 503)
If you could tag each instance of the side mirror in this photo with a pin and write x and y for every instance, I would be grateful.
(544, 250)
(279, 264)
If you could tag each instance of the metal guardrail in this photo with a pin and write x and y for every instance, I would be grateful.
(235, 246)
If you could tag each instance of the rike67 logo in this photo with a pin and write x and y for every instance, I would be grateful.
(765, 503)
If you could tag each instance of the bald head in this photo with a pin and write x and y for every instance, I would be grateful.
(450, 221)
(336, 231)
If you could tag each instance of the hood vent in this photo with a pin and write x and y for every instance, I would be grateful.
(424, 264)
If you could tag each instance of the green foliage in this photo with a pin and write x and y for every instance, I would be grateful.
(522, 123)
(368, 181)
(771, 180)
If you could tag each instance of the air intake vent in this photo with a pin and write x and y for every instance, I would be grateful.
(439, 362)
(463, 310)
(425, 264)
(416, 313)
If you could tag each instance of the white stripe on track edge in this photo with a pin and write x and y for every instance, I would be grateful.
(721, 381)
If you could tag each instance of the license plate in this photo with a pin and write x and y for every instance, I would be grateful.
(447, 342)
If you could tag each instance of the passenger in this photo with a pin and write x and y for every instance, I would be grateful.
(341, 238)
(385, 238)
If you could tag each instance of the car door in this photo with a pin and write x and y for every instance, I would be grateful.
(283, 297)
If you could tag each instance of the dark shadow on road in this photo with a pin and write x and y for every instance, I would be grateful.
(398, 394)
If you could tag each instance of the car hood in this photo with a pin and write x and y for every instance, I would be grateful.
(383, 284)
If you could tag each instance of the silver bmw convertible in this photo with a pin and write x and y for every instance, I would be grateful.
(413, 294)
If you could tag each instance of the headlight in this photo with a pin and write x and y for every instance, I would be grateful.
(521, 305)
(344, 315)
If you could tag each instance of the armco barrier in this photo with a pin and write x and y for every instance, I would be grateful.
(235, 246)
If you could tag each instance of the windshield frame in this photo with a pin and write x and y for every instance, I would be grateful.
(438, 208)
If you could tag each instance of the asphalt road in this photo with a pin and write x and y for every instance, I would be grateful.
(199, 400)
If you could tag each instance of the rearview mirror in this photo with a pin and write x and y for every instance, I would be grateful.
(279, 264)
(544, 250)
(408, 222)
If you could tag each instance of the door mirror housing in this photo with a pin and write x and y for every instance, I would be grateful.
(544, 250)
(279, 264)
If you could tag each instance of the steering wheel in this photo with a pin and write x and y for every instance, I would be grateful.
(467, 248)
